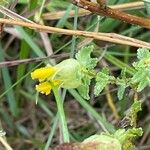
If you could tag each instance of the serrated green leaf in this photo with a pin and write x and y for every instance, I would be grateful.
(102, 79)
(121, 91)
(83, 89)
(121, 84)
(84, 57)
(138, 76)
(141, 78)
(128, 136)
(134, 132)
(142, 84)
(143, 53)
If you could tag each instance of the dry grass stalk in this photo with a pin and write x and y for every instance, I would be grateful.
(108, 37)
(104, 10)
(83, 12)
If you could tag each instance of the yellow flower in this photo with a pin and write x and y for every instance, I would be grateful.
(44, 88)
(43, 73)
(66, 74)
(45, 76)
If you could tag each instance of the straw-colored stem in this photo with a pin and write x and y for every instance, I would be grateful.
(108, 37)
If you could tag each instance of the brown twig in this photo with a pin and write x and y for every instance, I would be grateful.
(30, 60)
(108, 37)
(83, 12)
(104, 10)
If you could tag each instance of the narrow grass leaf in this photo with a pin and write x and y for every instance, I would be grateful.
(7, 84)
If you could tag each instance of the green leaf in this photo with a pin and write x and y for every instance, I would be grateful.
(142, 76)
(143, 53)
(87, 69)
(102, 79)
(134, 132)
(138, 76)
(126, 137)
(122, 84)
(142, 84)
(83, 89)
(8, 84)
(84, 57)
(121, 91)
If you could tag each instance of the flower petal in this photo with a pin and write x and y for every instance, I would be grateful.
(44, 88)
(43, 73)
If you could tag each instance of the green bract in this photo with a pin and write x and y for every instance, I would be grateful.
(101, 142)
(120, 140)
(69, 71)
(77, 73)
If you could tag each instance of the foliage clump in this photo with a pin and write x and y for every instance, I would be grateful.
(78, 73)
(137, 82)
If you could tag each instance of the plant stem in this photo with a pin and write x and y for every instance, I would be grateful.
(111, 103)
(61, 114)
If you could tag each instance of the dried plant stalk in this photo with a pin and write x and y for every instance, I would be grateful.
(113, 13)
(108, 37)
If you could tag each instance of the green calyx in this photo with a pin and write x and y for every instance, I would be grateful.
(69, 72)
